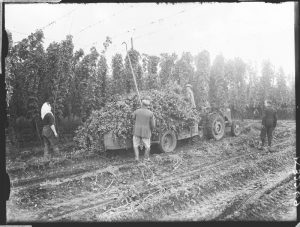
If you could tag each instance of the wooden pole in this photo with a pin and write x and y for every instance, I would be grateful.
(134, 79)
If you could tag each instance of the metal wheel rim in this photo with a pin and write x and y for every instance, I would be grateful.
(218, 127)
(237, 129)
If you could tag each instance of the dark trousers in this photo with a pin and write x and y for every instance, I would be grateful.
(266, 131)
(49, 140)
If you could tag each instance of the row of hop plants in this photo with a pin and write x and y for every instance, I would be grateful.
(171, 109)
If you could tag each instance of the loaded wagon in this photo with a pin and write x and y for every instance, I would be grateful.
(212, 125)
(166, 140)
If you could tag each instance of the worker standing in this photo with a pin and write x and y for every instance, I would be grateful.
(143, 127)
(269, 121)
(49, 133)
(190, 95)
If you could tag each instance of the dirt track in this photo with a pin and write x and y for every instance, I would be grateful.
(202, 180)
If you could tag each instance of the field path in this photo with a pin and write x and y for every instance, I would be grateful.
(228, 179)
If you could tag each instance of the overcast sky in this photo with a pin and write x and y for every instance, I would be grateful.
(252, 31)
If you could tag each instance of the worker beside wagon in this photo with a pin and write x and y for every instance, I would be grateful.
(269, 121)
(190, 95)
(143, 127)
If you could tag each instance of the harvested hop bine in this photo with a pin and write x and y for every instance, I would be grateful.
(170, 108)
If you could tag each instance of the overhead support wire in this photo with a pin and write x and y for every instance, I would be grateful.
(160, 20)
(102, 20)
(46, 26)
(53, 22)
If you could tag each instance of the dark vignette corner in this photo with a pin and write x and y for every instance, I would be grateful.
(296, 26)
(5, 185)
(4, 123)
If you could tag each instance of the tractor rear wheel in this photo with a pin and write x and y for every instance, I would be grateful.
(215, 127)
(167, 142)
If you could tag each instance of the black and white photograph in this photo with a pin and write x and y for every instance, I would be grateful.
(150, 112)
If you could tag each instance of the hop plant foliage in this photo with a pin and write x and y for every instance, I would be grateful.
(170, 108)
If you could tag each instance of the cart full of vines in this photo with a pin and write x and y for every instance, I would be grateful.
(111, 127)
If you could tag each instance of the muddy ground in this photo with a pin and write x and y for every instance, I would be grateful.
(203, 179)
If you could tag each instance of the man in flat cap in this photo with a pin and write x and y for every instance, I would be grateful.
(143, 127)
(268, 124)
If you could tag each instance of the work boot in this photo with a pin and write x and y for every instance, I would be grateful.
(261, 147)
(270, 149)
(265, 149)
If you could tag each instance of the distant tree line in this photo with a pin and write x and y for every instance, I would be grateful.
(76, 82)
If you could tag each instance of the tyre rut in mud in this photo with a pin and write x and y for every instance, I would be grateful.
(167, 186)
(241, 205)
(165, 183)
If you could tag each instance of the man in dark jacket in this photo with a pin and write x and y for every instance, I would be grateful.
(268, 124)
(143, 127)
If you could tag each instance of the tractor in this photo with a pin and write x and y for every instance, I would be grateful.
(215, 122)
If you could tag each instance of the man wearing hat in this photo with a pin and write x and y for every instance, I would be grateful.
(268, 124)
(143, 127)
(190, 95)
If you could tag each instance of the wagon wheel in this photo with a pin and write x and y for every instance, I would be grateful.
(168, 141)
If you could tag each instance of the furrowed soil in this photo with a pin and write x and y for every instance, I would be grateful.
(230, 179)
